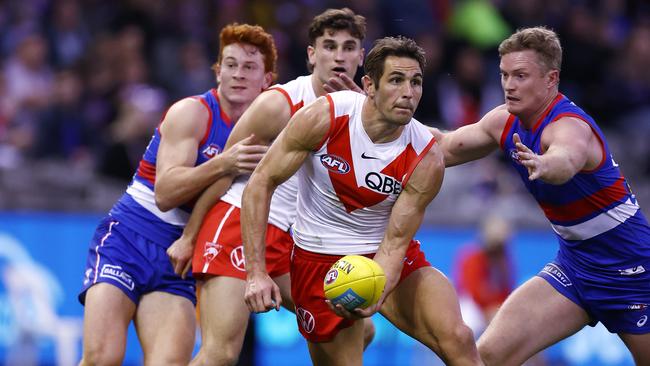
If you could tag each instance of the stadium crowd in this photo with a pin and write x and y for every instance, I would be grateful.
(83, 83)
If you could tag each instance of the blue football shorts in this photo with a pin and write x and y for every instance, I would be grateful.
(136, 265)
(619, 298)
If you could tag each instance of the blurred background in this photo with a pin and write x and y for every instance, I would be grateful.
(84, 83)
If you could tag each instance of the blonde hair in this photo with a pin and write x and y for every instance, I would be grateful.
(542, 40)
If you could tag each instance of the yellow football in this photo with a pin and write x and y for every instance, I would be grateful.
(354, 281)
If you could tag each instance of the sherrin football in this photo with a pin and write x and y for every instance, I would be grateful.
(354, 281)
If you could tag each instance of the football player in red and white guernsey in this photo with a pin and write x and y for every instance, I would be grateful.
(366, 172)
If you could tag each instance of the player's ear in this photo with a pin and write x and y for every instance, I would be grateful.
(368, 86)
(311, 55)
(553, 78)
(268, 79)
(361, 56)
(217, 72)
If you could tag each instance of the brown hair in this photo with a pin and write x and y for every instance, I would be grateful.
(542, 40)
(391, 46)
(337, 19)
(253, 35)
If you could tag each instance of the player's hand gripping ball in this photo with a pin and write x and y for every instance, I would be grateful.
(354, 281)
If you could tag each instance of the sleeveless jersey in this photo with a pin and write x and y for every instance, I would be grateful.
(348, 185)
(137, 207)
(595, 215)
(282, 213)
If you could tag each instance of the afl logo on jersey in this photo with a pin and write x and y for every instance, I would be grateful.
(211, 151)
(514, 155)
(335, 164)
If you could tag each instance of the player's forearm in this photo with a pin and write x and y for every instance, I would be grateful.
(557, 168)
(256, 201)
(203, 205)
(179, 185)
(390, 255)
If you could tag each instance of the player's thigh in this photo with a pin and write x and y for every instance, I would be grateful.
(533, 317)
(107, 314)
(284, 282)
(166, 326)
(346, 349)
(425, 306)
(639, 346)
(223, 313)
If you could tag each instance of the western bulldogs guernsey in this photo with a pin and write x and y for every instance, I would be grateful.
(348, 186)
(282, 213)
(604, 237)
(137, 208)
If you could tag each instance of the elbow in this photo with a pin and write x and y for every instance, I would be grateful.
(163, 202)
(163, 205)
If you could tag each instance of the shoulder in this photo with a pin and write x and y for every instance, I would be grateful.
(346, 100)
(295, 89)
(188, 113)
(271, 101)
(494, 122)
(190, 106)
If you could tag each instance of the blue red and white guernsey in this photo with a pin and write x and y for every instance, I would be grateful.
(138, 202)
(128, 249)
(603, 262)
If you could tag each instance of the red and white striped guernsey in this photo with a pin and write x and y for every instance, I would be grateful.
(348, 186)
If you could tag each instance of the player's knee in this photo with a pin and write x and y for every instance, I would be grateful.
(458, 341)
(99, 356)
(368, 332)
(171, 360)
(218, 355)
(490, 355)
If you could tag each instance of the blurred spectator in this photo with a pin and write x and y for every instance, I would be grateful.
(193, 74)
(64, 133)
(28, 79)
(67, 33)
(484, 270)
(464, 96)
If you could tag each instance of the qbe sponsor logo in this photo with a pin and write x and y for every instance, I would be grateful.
(382, 183)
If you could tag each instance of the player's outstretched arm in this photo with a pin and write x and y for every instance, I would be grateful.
(305, 130)
(473, 141)
(570, 146)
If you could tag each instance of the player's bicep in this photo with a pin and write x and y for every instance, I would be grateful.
(265, 118)
(573, 140)
(303, 133)
(420, 189)
(181, 132)
(424, 183)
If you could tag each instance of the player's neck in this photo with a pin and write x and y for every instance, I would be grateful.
(529, 120)
(232, 110)
(317, 85)
(378, 129)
